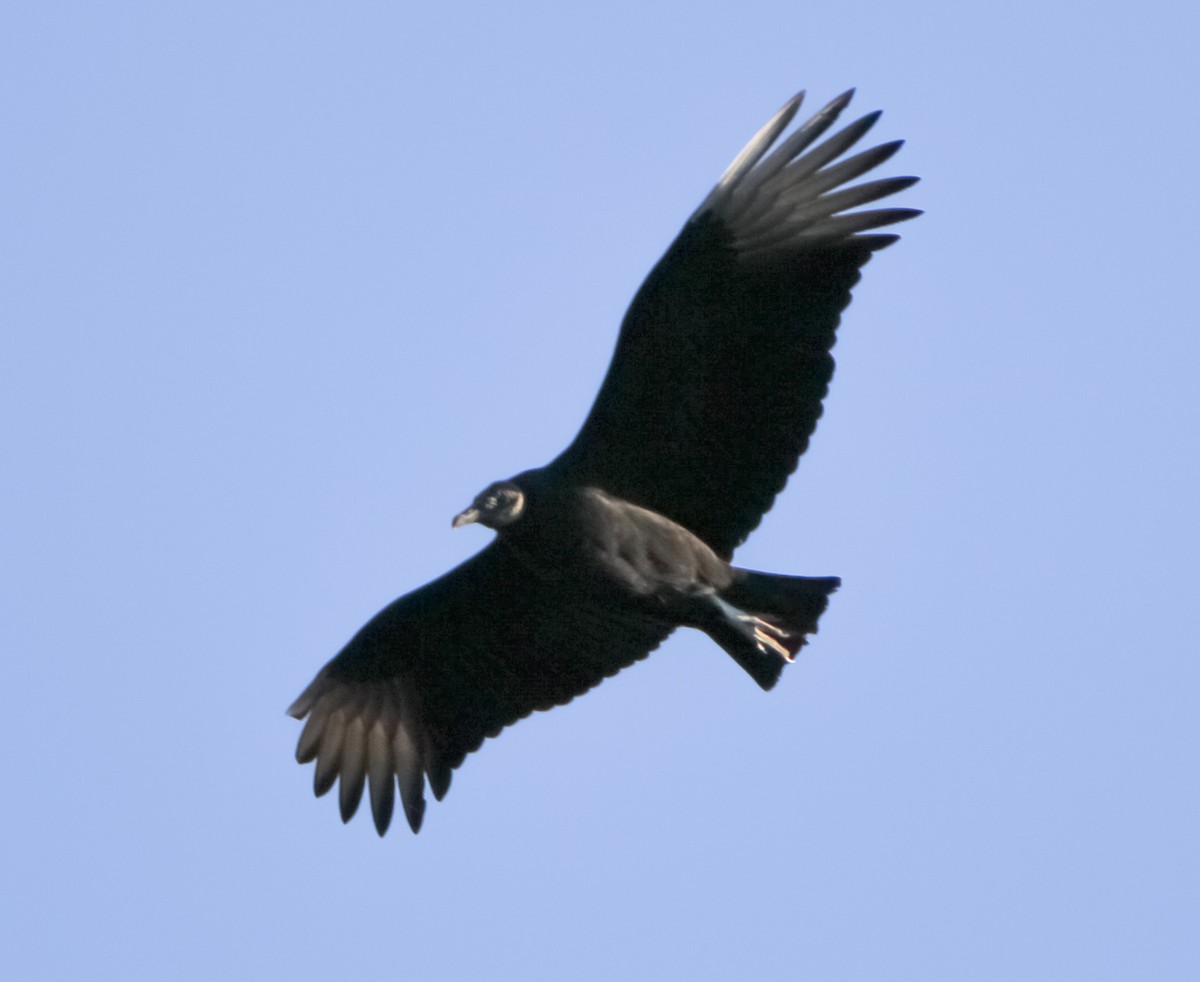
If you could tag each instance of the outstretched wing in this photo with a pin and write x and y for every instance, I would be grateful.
(723, 358)
(440, 669)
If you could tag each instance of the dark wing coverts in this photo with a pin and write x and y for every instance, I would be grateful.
(723, 358)
(440, 669)
(714, 389)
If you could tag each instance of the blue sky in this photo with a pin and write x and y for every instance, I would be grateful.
(286, 284)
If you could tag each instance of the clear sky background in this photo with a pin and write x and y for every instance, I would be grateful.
(285, 284)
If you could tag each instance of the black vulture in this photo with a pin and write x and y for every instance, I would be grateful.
(714, 389)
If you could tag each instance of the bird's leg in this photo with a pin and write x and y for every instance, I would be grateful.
(767, 636)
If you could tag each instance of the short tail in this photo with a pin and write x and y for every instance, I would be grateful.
(764, 619)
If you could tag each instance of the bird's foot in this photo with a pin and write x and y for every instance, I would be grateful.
(768, 637)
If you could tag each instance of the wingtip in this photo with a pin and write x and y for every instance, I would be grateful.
(299, 709)
(439, 780)
(868, 121)
(323, 781)
(381, 815)
(348, 801)
(834, 106)
(415, 816)
(753, 151)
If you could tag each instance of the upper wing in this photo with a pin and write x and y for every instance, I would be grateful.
(440, 669)
(723, 358)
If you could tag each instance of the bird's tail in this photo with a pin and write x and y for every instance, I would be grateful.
(764, 619)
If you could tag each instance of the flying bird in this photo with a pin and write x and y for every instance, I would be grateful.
(713, 391)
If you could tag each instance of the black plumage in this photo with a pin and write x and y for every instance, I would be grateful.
(714, 389)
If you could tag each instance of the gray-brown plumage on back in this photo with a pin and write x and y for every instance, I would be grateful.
(714, 389)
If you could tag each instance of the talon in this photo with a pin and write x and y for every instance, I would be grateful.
(766, 641)
(768, 636)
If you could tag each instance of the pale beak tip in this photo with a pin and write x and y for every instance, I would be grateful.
(465, 518)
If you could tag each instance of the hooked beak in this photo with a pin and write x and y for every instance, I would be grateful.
(465, 517)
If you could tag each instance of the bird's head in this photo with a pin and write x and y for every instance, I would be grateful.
(496, 506)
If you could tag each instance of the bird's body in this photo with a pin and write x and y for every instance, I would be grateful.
(606, 554)
(606, 543)
(714, 389)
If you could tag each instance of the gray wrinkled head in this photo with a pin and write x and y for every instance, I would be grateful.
(496, 506)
